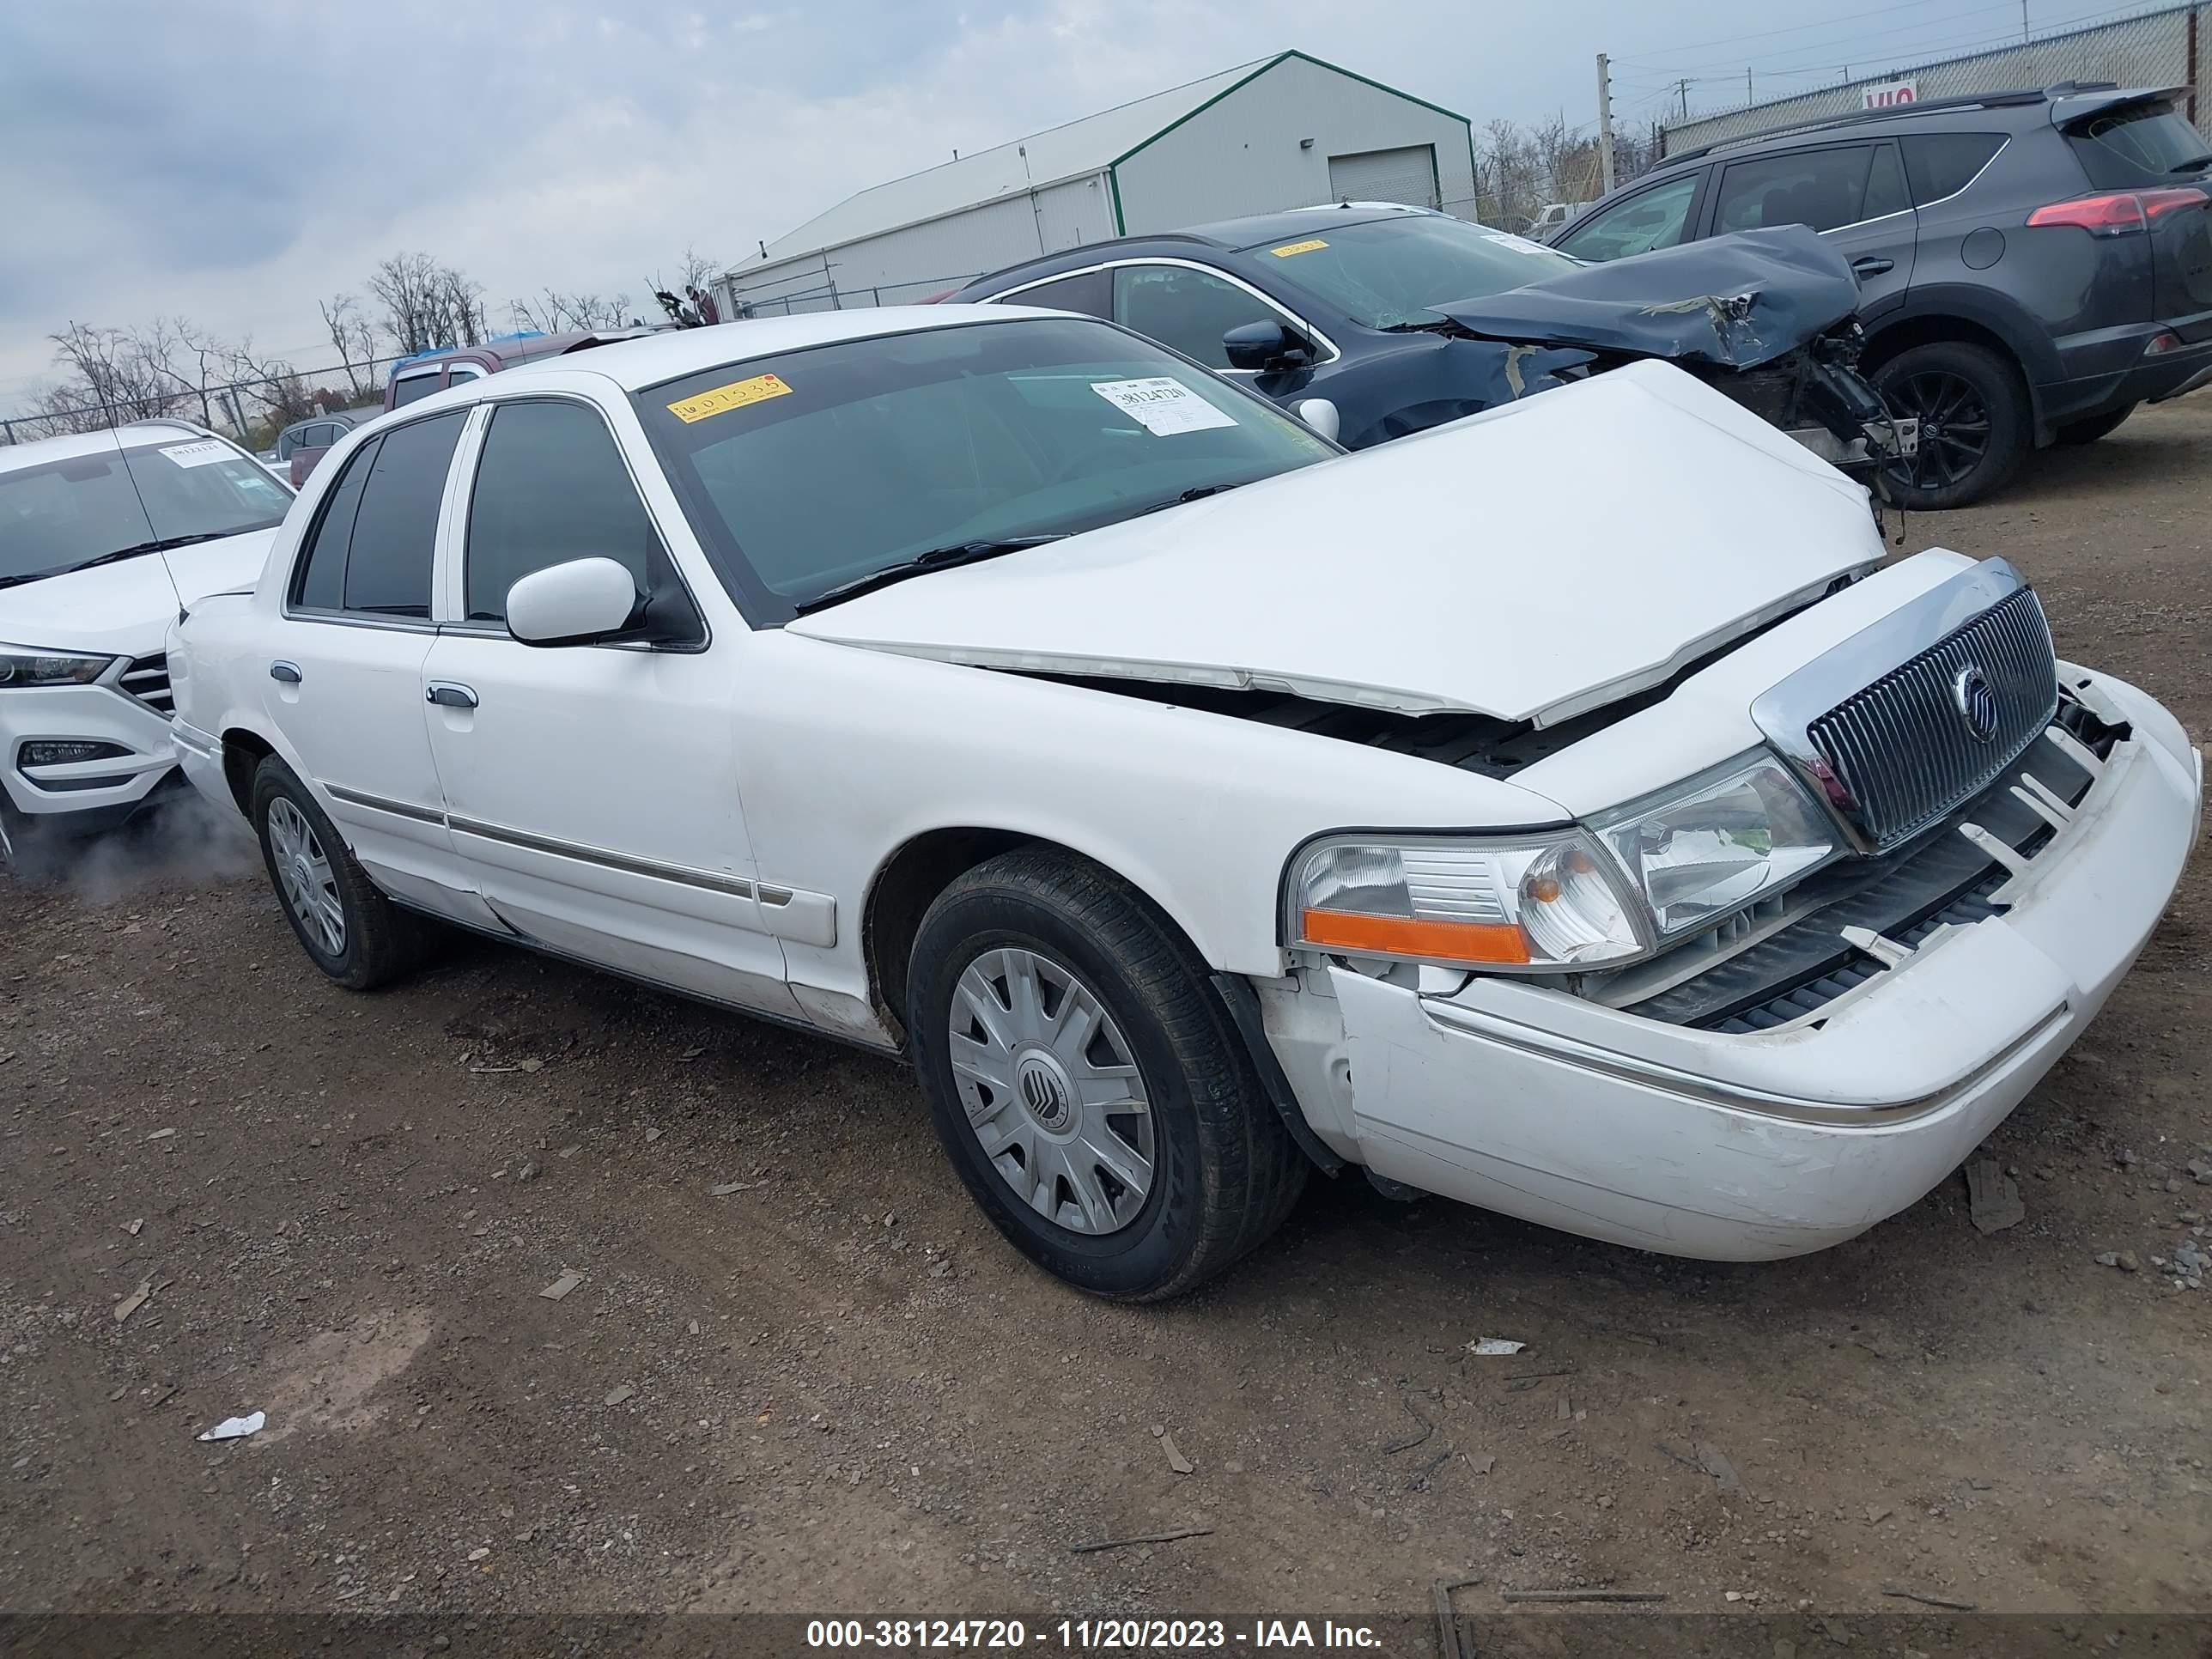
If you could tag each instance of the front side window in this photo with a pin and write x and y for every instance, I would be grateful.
(1189, 310)
(1393, 273)
(139, 496)
(1658, 218)
(1821, 188)
(551, 487)
(374, 543)
(809, 470)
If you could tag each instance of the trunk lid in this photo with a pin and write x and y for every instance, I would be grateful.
(1529, 563)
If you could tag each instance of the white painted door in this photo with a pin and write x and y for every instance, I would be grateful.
(593, 789)
(1407, 175)
(345, 665)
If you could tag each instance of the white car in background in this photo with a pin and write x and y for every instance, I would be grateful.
(104, 539)
(1194, 804)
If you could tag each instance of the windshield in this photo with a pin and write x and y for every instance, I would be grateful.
(807, 471)
(1387, 273)
(60, 514)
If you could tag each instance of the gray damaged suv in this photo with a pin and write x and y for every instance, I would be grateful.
(2034, 264)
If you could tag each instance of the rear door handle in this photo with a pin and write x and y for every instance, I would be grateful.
(1871, 266)
(447, 694)
(287, 673)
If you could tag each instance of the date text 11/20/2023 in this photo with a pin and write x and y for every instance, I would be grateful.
(1087, 1635)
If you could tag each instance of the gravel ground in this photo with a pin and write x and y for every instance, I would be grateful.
(799, 1374)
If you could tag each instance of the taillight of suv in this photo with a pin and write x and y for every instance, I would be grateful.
(2118, 212)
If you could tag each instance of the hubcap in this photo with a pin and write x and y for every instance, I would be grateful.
(1052, 1092)
(304, 875)
(1954, 427)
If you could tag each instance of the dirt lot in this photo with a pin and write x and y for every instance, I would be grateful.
(833, 1390)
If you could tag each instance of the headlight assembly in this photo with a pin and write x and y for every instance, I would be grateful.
(21, 665)
(1719, 843)
(1532, 902)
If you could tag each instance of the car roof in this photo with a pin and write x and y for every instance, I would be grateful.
(2011, 111)
(636, 364)
(38, 451)
(1231, 236)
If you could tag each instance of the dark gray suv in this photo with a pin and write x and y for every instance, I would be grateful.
(2033, 264)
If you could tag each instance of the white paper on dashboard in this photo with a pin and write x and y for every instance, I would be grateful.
(1162, 404)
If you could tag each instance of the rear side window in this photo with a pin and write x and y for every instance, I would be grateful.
(1655, 219)
(409, 387)
(372, 547)
(1822, 188)
(1090, 294)
(2140, 144)
(1940, 164)
(551, 487)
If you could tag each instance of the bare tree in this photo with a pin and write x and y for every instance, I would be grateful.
(354, 337)
(113, 375)
(554, 312)
(690, 302)
(428, 305)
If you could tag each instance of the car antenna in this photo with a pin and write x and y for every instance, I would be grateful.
(145, 513)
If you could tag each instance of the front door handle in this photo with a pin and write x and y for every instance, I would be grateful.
(287, 674)
(447, 694)
(1871, 266)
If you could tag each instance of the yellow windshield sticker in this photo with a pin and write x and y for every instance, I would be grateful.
(1288, 249)
(723, 398)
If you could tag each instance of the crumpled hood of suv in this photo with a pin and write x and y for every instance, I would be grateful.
(125, 609)
(1734, 301)
(1529, 563)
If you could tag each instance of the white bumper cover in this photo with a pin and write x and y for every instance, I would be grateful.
(95, 791)
(1744, 1148)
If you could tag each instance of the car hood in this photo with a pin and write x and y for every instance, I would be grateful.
(1527, 563)
(1735, 302)
(125, 609)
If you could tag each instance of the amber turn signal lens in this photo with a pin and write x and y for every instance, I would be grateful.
(1402, 936)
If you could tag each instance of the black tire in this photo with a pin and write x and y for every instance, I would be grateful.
(381, 941)
(1224, 1172)
(1977, 424)
(2095, 427)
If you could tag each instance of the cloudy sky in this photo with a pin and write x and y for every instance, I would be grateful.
(232, 162)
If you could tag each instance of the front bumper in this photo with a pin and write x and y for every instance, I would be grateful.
(1746, 1148)
(80, 797)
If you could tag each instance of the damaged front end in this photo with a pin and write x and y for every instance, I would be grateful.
(1769, 318)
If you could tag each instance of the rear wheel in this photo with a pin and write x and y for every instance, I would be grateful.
(1087, 1081)
(2097, 426)
(350, 930)
(1975, 423)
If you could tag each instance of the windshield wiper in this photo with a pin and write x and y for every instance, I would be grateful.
(938, 558)
(2198, 165)
(1195, 493)
(136, 550)
(1442, 325)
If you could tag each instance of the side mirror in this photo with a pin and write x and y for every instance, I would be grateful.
(1320, 414)
(573, 604)
(1265, 347)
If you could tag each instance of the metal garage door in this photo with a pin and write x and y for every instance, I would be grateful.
(1407, 175)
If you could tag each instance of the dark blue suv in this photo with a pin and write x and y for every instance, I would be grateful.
(2031, 264)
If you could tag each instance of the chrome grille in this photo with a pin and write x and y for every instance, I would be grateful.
(147, 678)
(1904, 749)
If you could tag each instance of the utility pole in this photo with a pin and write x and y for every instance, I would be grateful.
(1682, 92)
(1605, 121)
(1746, 86)
(2023, 23)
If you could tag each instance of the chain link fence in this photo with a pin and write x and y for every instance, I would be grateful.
(824, 294)
(238, 409)
(2167, 48)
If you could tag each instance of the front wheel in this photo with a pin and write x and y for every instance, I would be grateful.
(1088, 1082)
(350, 930)
(1975, 423)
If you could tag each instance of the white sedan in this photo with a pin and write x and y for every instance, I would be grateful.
(1194, 804)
